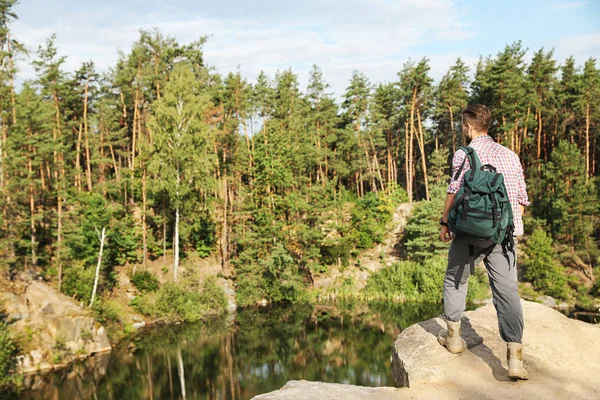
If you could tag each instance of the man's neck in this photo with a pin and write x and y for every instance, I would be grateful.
(477, 135)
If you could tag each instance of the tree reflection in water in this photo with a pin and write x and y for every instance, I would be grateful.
(256, 352)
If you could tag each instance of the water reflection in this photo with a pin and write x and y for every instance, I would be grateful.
(257, 352)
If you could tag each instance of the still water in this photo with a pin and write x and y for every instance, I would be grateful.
(237, 357)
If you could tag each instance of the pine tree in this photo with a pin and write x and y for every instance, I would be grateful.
(588, 103)
(415, 86)
(51, 80)
(541, 267)
(569, 204)
(451, 97)
(355, 104)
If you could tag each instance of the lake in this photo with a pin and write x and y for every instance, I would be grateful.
(250, 352)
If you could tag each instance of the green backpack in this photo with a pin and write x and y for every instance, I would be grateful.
(481, 208)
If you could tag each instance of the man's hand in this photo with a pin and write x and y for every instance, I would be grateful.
(446, 235)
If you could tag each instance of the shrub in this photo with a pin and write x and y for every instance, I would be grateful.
(146, 305)
(422, 229)
(368, 223)
(107, 312)
(409, 281)
(179, 302)
(145, 281)
(79, 281)
(9, 349)
(541, 268)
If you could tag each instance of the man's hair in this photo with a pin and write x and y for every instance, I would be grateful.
(478, 115)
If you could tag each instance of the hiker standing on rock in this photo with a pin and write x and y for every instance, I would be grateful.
(482, 217)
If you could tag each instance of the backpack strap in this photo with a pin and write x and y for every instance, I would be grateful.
(467, 150)
(473, 160)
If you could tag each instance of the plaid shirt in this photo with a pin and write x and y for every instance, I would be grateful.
(506, 162)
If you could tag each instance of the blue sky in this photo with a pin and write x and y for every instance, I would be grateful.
(373, 36)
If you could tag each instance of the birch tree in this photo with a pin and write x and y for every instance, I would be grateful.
(180, 154)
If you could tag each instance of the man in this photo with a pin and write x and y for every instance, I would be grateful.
(499, 260)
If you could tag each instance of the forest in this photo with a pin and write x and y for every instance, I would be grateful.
(163, 157)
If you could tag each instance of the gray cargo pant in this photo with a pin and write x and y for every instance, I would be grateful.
(502, 270)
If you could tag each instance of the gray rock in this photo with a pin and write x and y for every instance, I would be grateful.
(547, 301)
(139, 325)
(297, 390)
(559, 353)
(15, 307)
(403, 358)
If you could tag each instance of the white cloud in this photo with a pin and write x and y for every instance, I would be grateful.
(581, 47)
(569, 4)
(375, 36)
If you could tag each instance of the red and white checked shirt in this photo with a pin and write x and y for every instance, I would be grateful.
(506, 162)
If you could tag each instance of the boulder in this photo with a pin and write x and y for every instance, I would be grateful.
(562, 356)
(297, 390)
(52, 323)
(15, 307)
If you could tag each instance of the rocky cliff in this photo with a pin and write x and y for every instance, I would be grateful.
(53, 328)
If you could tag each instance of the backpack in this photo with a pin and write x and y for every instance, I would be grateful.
(482, 209)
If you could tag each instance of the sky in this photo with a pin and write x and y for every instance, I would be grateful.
(372, 36)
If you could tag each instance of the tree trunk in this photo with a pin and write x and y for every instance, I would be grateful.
(78, 159)
(176, 245)
(406, 162)
(421, 143)
(144, 227)
(452, 128)
(88, 169)
(102, 238)
(587, 143)
(32, 211)
(224, 229)
(412, 132)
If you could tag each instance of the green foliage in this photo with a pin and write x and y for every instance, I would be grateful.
(409, 281)
(78, 281)
(145, 281)
(275, 279)
(570, 205)
(9, 349)
(368, 223)
(541, 267)
(107, 312)
(422, 231)
(178, 302)
(203, 235)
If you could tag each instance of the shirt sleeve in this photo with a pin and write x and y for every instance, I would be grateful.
(457, 161)
(522, 197)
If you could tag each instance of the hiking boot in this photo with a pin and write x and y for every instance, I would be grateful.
(450, 338)
(514, 356)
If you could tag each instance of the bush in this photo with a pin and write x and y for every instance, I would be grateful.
(145, 281)
(9, 349)
(541, 268)
(422, 230)
(409, 281)
(107, 312)
(179, 302)
(78, 281)
(369, 219)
